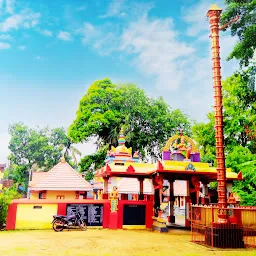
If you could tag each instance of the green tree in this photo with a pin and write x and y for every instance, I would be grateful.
(106, 107)
(90, 163)
(6, 197)
(239, 110)
(241, 159)
(244, 28)
(204, 135)
(35, 149)
(239, 101)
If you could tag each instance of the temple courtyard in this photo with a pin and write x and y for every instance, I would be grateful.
(105, 243)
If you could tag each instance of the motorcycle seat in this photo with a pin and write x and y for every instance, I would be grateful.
(70, 217)
(60, 216)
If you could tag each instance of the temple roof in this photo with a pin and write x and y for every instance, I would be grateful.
(127, 169)
(170, 169)
(61, 177)
(36, 177)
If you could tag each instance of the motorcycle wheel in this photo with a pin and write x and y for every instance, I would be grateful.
(82, 225)
(58, 225)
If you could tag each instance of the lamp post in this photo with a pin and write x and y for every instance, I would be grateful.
(214, 18)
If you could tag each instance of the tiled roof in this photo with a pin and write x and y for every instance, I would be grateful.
(36, 177)
(62, 177)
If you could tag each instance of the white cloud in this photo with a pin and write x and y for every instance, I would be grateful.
(88, 32)
(127, 9)
(65, 36)
(5, 37)
(4, 46)
(196, 18)
(26, 19)
(46, 32)
(157, 50)
(10, 6)
(106, 44)
(199, 93)
(101, 40)
(22, 47)
(115, 8)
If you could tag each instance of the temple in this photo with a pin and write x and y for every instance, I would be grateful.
(126, 193)
(178, 180)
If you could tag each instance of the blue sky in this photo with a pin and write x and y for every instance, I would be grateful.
(51, 51)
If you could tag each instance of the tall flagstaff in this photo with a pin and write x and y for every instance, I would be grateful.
(214, 18)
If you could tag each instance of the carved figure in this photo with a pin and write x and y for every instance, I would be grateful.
(114, 199)
(183, 146)
(231, 199)
(136, 154)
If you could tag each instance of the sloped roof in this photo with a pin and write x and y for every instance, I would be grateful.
(36, 177)
(62, 177)
(132, 186)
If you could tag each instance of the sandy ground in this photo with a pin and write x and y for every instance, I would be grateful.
(105, 243)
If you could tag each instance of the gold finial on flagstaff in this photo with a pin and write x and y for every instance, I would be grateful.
(215, 7)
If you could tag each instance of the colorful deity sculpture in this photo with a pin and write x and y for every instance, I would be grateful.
(113, 199)
(183, 146)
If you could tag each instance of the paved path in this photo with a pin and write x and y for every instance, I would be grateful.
(104, 243)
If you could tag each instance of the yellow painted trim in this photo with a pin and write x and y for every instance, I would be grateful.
(94, 227)
(134, 226)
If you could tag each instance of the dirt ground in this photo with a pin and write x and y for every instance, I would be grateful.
(105, 243)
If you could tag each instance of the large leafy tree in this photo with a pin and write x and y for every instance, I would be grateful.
(241, 159)
(239, 104)
(106, 107)
(204, 135)
(37, 149)
(239, 110)
(244, 28)
(239, 100)
(6, 196)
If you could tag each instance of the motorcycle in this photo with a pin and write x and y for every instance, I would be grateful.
(62, 221)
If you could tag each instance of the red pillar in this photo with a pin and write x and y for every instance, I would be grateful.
(214, 15)
(11, 217)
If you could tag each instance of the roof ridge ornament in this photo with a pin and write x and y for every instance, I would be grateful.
(121, 140)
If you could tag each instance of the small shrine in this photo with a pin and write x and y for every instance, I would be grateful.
(121, 153)
(181, 148)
